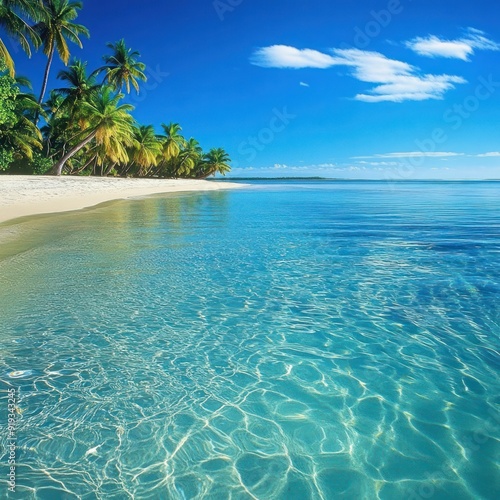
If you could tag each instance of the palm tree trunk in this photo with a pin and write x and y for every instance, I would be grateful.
(57, 169)
(108, 170)
(86, 164)
(157, 170)
(205, 173)
(45, 81)
(126, 170)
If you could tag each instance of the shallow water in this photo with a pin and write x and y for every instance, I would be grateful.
(291, 341)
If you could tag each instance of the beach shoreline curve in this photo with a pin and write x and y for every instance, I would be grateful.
(27, 195)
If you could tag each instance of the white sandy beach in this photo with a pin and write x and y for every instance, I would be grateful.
(22, 195)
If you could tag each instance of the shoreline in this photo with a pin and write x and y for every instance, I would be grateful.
(26, 195)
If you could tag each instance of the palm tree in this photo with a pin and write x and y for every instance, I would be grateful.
(55, 28)
(21, 136)
(12, 22)
(172, 141)
(122, 67)
(81, 86)
(26, 102)
(56, 124)
(188, 158)
(53, 103)
(215, 161)
(172, 144)
(109, 123)
(147, 149)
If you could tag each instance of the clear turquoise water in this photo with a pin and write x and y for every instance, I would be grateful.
(289, 341)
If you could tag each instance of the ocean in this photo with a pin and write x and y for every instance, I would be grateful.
(288, 340)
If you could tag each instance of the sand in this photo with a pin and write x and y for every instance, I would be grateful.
(22, 195)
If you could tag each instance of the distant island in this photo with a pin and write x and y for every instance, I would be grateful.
(337, 179)
(277, 179)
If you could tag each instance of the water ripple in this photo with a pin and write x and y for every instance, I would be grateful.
(273, 343)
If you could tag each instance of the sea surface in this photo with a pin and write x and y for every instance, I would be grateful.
(300, 340)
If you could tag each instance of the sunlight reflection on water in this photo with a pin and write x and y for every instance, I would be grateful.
(333, 341)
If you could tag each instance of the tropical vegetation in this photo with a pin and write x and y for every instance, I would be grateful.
(85, 126)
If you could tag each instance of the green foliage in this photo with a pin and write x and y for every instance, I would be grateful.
(18, 135)
(39, 164)
(8, 93)
(6, 158)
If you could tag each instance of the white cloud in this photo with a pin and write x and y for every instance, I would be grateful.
(303, 84)
(411, 154)
(283, 56)
(433, 46)
(462, 48)
(380, 163)
(318, 166)
(397, 81)
(493, 154)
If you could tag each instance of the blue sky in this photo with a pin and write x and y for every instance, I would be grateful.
(338, 88)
